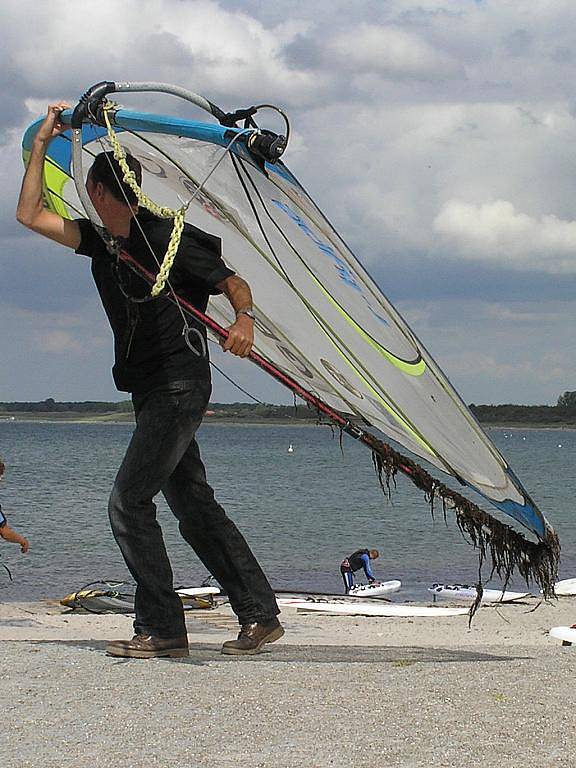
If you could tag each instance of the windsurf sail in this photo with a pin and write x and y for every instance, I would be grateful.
(323, 327)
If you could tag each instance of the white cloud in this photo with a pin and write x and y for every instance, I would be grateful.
(390, 52)
(520, 315)
(498, 233)
(59, 342)
(197, 44)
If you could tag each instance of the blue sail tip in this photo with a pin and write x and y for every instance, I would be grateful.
(526, 514)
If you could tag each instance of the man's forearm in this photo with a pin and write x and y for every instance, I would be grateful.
(241, 332)
(30, 210)
(238, 293)
(30, 203)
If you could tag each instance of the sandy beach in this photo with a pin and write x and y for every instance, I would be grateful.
(334, 692)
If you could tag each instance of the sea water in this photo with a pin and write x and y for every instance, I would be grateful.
(302, 511)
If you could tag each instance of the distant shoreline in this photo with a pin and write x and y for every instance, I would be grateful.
(248, 421)
(561, 416)
(35, 418)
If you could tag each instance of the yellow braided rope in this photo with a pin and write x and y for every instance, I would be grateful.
(158, 210)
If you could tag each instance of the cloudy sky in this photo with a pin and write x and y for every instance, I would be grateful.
(438, 135)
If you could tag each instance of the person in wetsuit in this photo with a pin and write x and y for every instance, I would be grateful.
(170, 386)
(359, 560)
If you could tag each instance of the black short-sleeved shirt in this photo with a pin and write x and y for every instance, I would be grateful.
(3, 520)
(150, 349)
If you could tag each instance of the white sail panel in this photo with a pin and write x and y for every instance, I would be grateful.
(321, 317)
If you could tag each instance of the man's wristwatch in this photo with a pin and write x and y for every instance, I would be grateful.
(248, 312)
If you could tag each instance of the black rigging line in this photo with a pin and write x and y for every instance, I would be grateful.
(235, 383)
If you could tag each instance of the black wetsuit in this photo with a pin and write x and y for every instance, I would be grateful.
(355, 562)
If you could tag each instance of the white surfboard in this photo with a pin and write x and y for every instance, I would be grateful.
(566, 634)
(197, 591)
(371, 609)
(467, 592)
(565, 587)
(375, 589)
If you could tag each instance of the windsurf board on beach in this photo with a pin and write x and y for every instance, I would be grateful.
(343, 608)
(565, 587)
(566, 634)
(197, 591)
(98, 601)
(468, 592)
(375, 589)
(103, 603)
(113, 601)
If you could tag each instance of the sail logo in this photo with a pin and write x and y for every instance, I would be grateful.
(341, 267)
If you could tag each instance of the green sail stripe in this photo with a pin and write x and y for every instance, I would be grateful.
(412, 369)
(53, 184)
(400, 419)
(55, 179)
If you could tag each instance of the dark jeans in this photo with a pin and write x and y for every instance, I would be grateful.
(163, 456)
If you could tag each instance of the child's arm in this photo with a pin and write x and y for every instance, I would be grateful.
(8, 534)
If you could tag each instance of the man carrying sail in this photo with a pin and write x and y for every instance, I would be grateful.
(168, 375)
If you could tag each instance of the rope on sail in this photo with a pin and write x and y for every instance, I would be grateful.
(158, 210)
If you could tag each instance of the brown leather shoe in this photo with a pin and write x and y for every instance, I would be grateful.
(253, 637)
(148, 647)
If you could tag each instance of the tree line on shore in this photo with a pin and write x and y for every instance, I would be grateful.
(563, 413)
(215, 410)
